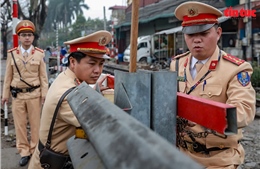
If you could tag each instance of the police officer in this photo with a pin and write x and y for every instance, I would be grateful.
(208, 72)
(85, 63)
(26, 78)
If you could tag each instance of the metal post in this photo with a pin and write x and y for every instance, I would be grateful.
(15, 21)
(57, 46)
(112, 40)
(248, 33)
(6, 120)
(105, 19)
(174, 47)
(47, 62)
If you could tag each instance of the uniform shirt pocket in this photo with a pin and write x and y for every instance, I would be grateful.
(209, 91)
(18, 63)
(34, 65)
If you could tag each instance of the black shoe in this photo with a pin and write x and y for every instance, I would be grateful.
(24, 160)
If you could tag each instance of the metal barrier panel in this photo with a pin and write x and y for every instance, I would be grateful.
(83, 154)
(164, 101)
(120, 140)
(152, 96)
(137, 88)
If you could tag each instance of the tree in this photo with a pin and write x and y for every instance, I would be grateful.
(64, 12)
(78, 27)
(6, 18)
(85, 26)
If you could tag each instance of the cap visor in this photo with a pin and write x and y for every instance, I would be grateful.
(197, 28)
(100, 56)
(106, 57)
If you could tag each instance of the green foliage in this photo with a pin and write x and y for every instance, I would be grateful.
(84, 27)
(63, 12)
(78, 27)
(255, 79)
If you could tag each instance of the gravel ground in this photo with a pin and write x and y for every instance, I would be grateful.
(251, 143)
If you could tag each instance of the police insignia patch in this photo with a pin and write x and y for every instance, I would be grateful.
(192, 12)
(243, 78)
(102, 41)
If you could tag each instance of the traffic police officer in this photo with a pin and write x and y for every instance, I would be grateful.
(85, 63)
(208, 72)
(26, 78)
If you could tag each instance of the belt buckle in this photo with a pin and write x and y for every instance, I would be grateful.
(24, 90)
(190, 147)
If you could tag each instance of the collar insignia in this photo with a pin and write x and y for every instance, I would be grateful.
(213, 65)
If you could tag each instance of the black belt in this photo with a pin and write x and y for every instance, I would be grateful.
(25, 90)
(201, 148)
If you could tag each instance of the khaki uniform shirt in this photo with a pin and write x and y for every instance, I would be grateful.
(222, 85)
(66, 121)
(32, 69)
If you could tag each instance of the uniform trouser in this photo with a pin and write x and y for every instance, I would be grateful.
(24, 110)
(223, 159)
(227, 167)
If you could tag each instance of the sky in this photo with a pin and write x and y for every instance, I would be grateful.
(96, 8)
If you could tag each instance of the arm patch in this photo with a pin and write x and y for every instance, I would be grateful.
(243, 78)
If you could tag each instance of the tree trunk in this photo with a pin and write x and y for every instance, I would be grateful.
(4, 39)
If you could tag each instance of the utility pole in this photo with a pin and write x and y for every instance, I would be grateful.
(134, 35)
(248, 30)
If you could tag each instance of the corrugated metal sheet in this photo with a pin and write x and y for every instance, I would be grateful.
(164, 9)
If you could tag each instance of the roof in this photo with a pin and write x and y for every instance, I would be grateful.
(116, 7)
(162, 9)
(170, 31)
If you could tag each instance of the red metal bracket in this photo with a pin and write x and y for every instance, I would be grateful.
(214, 115)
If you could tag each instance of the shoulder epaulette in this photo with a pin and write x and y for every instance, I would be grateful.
(10, 50)
(39, 49)
(233, 59)
(181, 55)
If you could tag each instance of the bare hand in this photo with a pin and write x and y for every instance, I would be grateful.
(4, 100)
(191, 124)
(100, 81)
(43, 100)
